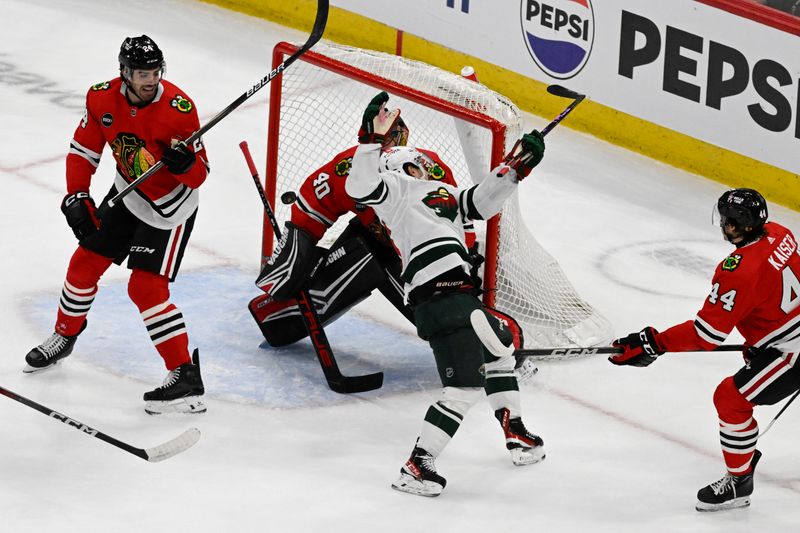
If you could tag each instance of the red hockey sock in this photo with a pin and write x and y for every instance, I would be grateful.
(80, 288)
(738, 430)
(164, 322)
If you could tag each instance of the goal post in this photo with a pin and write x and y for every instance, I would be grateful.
(315, 112)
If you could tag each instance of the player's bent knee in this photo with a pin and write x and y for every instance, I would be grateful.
(147, 289)
(460, 399)
(729, 401)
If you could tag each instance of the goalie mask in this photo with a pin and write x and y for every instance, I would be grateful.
(411, 162)
(741, 213)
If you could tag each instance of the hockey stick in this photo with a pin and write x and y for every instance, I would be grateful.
(179, 444)
(761, 434)
(558, 90)
(592, 350)
(336, 380)
(316, 34)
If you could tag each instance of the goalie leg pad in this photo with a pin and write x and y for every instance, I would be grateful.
(347, 276)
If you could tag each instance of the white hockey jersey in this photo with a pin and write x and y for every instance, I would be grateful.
(426, 218)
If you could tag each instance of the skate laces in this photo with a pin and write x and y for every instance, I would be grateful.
(723, 485)
(54, 344)
(171, 378)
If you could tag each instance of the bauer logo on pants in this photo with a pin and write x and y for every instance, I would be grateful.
(559, 34)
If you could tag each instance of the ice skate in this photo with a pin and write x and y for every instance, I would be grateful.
(730, 492)
(181, 392)
(418, 476)
(48, 354)
(525, 447)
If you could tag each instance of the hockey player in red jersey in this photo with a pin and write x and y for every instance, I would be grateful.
(756, 289)
(142, 118)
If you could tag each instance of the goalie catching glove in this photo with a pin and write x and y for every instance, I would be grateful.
(378, 121)
(526, 154)
(640, 349)
(81, 214)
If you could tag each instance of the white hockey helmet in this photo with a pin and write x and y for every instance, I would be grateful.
(411, 162)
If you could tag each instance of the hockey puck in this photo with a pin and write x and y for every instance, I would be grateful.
(288, 198)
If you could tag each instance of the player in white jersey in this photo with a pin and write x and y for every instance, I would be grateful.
(425, 219)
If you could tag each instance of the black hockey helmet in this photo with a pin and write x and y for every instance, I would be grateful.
(140, 53)
(745, 210)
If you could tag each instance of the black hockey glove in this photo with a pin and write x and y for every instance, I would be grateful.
(526, 154)
(640, 349)
(377, 121)
(178, 159)
(291, 264)
(81, 214)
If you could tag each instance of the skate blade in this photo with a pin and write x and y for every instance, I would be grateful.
(736, 503)
(188, 405)
(32, 369)
(412, 485)
(527, 456)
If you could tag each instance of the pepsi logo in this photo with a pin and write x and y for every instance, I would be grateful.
(559, 34)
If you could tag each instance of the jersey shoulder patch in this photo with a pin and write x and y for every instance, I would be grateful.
(731, 262)
(343, 166)
(102, 86)
(181, 103)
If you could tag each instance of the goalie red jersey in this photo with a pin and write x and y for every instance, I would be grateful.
(756, 289)
(137, 137)
(322, 199)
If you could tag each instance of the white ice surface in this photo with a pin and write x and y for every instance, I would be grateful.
(627, 448)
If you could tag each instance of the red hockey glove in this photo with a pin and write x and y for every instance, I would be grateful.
(81, 214)
(377, 121)
(641, 348)
(526, 154)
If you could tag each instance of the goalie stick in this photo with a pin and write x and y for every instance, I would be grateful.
(179, 444)
(336, 380)
(592, 350)
(316, 34)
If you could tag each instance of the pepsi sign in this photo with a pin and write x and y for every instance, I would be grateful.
(559, 34)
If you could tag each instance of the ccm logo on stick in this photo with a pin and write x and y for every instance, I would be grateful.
(728, 73)
(559, 34)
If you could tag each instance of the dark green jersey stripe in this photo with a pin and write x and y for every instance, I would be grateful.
(375, 197)
(431, 256)
(437, 418)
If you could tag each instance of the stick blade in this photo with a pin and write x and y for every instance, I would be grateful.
(353, 384)
(179, 444)
(563, 92)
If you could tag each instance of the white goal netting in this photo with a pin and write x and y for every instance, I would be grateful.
(318, 112)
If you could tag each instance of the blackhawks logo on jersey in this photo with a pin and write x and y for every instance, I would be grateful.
(131, 154)
(731, 262)
(343, 167)
(443, 203)
(103, 86)
(181, 104)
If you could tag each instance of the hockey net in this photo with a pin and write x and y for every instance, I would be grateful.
(315, 112)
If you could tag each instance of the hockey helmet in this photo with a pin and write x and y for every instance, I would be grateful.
(745, 210)
(140, 53)
(409, 161)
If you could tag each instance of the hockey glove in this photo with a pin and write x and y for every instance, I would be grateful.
(178, 159)
(291, 264)
(377, 121)
(526, 154)
(640, 349)
(81, 214)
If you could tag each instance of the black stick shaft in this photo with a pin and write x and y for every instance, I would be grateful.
(316, 34)
(592, 350)
(577, 99)
(80, 426)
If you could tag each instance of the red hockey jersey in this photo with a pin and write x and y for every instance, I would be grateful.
(322, 198)
(137, 137)
(756, 289)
